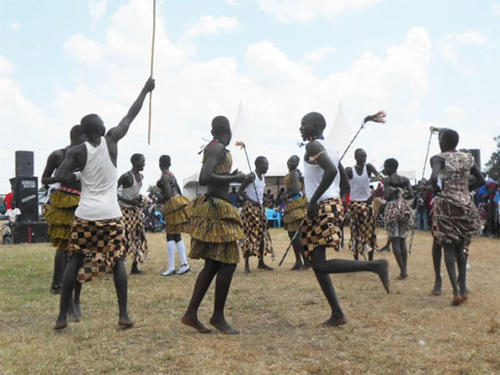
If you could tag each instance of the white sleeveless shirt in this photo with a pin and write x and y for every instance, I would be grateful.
(130, 193)
(360, 185)
(260, 185)
(313, 174)
(98, 200)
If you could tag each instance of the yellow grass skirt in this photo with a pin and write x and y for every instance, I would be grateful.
(175, 214)
(295, 212)
(215, 227)
(60, 215)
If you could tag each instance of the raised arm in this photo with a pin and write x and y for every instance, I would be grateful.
(119, 131)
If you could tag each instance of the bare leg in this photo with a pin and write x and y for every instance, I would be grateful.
(462, 271)
(262, 265)
(404, 256)
(203, 281)
(397, 254)
(57, 277)
(449, 259)
(247, 264)
(69, 280)
(436, 261)
(222, 285)
(296, 245)
(135, 270)
(121, 286)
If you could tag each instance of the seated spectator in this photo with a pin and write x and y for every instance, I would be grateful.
(268, 199)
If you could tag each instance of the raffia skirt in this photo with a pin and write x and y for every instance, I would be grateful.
(59, 216)
(215, 228)
(324, 229)
(175, 214)
(295, 212)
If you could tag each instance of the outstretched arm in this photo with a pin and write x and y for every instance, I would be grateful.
(119, 131)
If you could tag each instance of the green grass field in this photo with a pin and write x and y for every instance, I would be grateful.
(278, 314)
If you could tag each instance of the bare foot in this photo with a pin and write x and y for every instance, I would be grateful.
(74, 312)
(457, 300)
(125, 322)
(383, 273)
(195, 323)
(223, 327)
(296, 267)
(436, 291)
(264, 267)
(402, 276)
(335, 321)
(60, 324)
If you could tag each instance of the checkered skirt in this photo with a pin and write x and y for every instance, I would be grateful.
(135, 235)
(100, 242)
(255, 228)
(324, 229)
(362, 227)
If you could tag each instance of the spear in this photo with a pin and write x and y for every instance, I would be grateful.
(151, 70)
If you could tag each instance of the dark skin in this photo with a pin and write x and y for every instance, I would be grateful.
(76, 160)
(360, 157)
(261, 168)
(126, 180)
(454, 252)
(399, 247)
(53, 162)
(164, 183)
(217, 186)
(321, 266)
(301, 262)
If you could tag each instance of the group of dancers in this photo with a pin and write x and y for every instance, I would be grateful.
(95, 218)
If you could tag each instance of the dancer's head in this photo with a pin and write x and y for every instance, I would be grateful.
(360, 156)
(448, 140)
(261, 164)
(221, 130)
(76, 135)
(390, 166)
(312, 126)
(293, 162)
(165, 162)
(138, 161)
(93, 126)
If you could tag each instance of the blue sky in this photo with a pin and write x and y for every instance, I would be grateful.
(424, 62)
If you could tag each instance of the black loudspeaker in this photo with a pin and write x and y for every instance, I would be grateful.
(30, 232)
(24, 163)
(476, 153)
(25, 191)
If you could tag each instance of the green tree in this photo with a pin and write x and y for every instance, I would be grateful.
(154, 192)
(493, 165)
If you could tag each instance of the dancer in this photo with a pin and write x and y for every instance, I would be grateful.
(97, 232)
(361, 207)
(215, 227)
(295, 210)
(176, 217)
(257, 238)
(130, 200)
(324, 175)
(398, 215)
(454, 216)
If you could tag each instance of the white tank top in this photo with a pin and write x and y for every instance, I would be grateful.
(260, 185)
(360, 185)
(313, 174)
(130, 193)
(98, 200)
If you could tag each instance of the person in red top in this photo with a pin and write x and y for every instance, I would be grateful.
(7, 200)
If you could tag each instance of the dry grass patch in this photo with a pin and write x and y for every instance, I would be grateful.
(278, 313)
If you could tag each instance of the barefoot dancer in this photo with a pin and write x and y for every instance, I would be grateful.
(64, 199)
(398, 215)
(323, 174)
(175, 217)
(454, 216)
(257, 238)
(215, 227)
(97, 232)
(361, 207)
(295, 210)
(130, 200)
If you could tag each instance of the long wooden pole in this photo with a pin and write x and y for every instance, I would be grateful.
(151, 69)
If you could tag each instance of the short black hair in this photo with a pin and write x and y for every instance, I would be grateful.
(164, 160)
(358, 150)
(220, 125)
(136, 157)
(260, 159)
(76, 132)
(391, 163)
(315, 118)
(449, 138)
(90, 123)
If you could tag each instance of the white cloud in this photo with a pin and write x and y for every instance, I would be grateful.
(450, 43)
(318, 55)
(5, 65)
(83, 49)
(14, 26)
(454, 113)
(495, 9)
(210, 25)
(230, 2)
(309, 10)
(97, 8)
